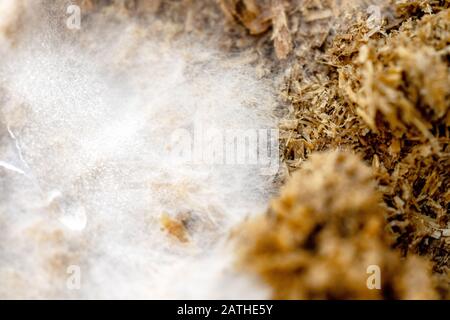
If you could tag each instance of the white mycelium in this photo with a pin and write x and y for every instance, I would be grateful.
(86, 168)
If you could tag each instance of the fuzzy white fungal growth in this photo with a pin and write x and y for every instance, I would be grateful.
(89, 123)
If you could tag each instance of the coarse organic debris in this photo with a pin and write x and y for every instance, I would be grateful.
(384, 95)
(320, 238)
(370, 76)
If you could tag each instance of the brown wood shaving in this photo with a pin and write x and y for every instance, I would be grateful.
(174, 227)
(259, 18)
(281, 36)
(247, 12)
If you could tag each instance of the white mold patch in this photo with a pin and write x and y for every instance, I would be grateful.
(87, 165)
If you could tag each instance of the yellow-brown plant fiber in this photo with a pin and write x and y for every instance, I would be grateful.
(318, 239)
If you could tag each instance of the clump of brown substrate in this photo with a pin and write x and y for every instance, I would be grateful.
(400, 88)
(319, 239)
(384, 93)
